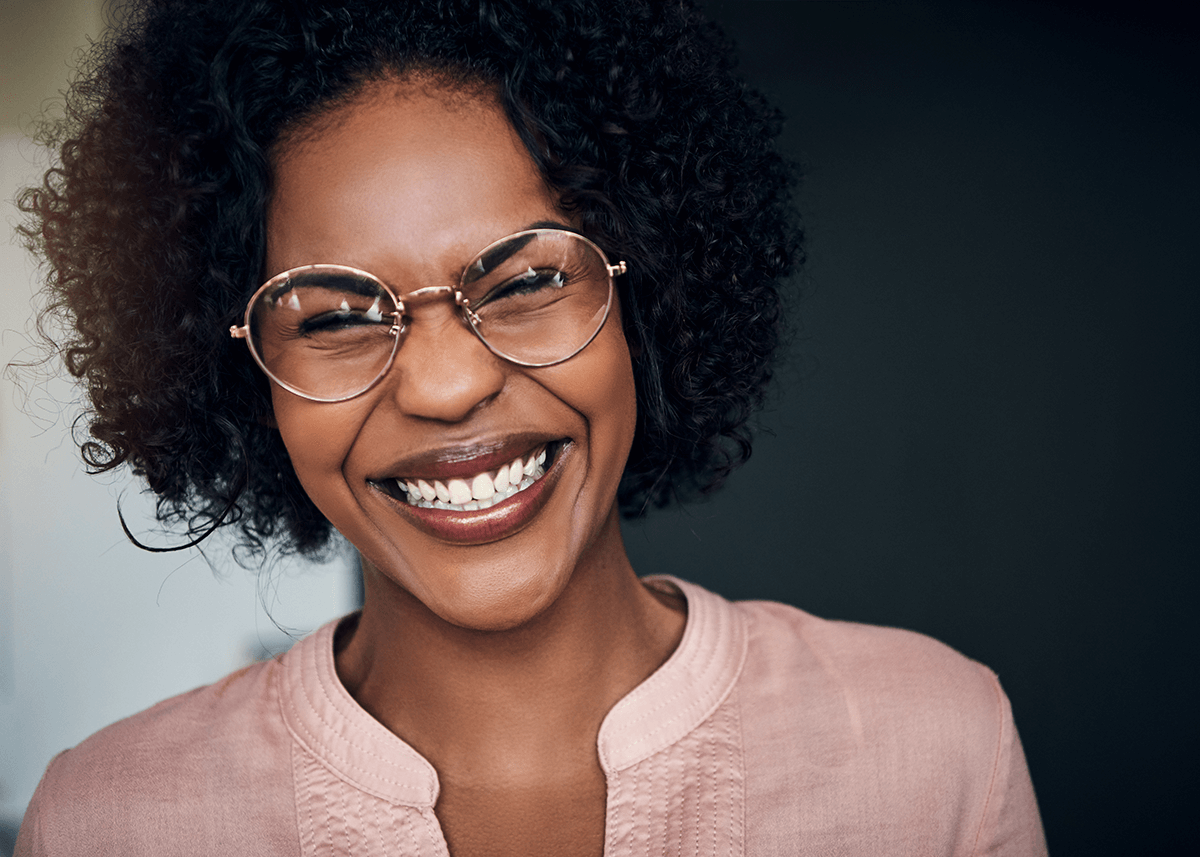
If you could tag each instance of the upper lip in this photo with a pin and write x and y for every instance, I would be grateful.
(460, 461)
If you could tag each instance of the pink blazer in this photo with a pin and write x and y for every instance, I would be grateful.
(767, 732)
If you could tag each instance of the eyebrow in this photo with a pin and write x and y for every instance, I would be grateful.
(499, 255)
(550, 224)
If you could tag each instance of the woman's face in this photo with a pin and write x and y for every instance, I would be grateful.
(409, 182)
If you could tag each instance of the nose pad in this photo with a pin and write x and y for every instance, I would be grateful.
(442, 371)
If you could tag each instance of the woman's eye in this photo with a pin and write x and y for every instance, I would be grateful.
(331, 321)
(342, 316)
(533, 280)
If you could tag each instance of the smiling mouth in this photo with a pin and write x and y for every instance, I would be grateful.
(478, 492)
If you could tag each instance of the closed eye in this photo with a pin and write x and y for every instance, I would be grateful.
(334, 320)
(526, 284)
(343, 316)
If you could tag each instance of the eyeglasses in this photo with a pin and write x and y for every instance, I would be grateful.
(331, 332)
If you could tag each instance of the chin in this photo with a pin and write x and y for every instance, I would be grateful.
(500, 600)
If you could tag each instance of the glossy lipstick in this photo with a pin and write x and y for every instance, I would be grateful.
(477, 526)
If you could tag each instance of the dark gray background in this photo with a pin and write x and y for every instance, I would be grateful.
(986, 428)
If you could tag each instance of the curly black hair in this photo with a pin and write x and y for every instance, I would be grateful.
(152, 221)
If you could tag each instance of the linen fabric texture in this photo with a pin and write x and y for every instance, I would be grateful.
(767, 732)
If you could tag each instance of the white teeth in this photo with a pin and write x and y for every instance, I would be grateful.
(482, 487)
(481, 492)
(460, 491)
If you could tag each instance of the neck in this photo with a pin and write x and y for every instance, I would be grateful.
(527, 695)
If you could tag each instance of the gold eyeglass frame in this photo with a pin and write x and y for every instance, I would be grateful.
(399, 325)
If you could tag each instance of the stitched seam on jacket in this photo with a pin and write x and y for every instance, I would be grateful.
(319, 756)
(987, 801)
(712, 700)
(310, 741)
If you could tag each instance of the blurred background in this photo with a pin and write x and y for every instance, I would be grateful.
(986, 428)
(93, 629)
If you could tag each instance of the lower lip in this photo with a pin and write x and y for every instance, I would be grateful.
(491, 524)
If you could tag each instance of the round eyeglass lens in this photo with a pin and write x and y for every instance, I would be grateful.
(324, 331)
(538, 297)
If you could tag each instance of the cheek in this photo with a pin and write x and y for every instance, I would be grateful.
(608, 399)
(624, 392)
(318, 439)
(625, 404)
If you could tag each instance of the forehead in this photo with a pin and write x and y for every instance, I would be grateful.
(406, 175)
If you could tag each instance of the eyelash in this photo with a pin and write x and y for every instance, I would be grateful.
(334, 319)
(527, 284)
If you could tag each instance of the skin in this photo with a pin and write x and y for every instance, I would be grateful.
(496, 658)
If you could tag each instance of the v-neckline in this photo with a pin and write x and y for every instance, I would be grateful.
(673, 701)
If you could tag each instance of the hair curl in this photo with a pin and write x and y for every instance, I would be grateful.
(152, 221)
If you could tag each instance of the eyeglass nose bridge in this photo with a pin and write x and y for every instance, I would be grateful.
(429, 293)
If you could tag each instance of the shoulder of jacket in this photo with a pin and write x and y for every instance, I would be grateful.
(129, 773)
(901, 674)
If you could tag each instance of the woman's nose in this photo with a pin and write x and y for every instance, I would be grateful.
(442, 371)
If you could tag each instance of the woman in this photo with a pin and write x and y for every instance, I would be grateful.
(501, 271)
